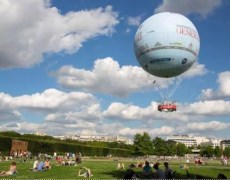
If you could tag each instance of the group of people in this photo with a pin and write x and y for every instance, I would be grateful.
(70, 159)
(20, 154)
(41, 165)
(198, 161)
(147, 171)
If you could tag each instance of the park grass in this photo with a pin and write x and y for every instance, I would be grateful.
(106, 169)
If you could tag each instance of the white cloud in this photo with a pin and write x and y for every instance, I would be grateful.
(162, 131)
(7, 112)
(108, 77)
(134, 21)
(206, 126)
(80, 113)
(129, 112)
(23, 127)
(65, 110)
(196, 70)
(186, 7)
(53, 100)
(9, 115)
(88, 113)
(31, 28)
(209, 108)
(223, 91)
(196, 111)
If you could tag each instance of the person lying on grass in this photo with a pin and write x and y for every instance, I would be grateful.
(12, 170)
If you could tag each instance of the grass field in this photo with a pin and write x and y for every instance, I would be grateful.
(106, 169)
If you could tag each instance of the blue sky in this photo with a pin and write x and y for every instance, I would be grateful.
(69, 67)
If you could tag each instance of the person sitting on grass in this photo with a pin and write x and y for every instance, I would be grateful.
(85, 172)
(147, 170)
(47, 164)
(221, 176)
(159, 174)
(139, 164)
(35, 166)
(120, 166)
(41, 166)
(130, 174)
(168, 171)
(12, 170)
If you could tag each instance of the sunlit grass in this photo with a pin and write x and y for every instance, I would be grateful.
(107, 169)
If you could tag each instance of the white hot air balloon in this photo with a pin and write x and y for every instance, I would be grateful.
(166, 44)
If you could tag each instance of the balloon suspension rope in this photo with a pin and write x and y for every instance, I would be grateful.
(157, 88)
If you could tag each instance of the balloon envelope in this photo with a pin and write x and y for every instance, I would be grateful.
(166, 44)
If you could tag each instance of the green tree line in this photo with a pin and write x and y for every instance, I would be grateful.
(144, 146)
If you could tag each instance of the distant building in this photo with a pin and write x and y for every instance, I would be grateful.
(184, 139)
(96, 138)
(39, 133)
(200, 140)
(216, 143)
(191, 141)
(208, 141)
(224, 144)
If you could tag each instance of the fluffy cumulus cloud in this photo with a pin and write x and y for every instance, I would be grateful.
(89, 113)
(7, 112)
(223, 90)
(186, 7)
(127, 112)
(23, 127)
(81, 113)
(185, 112)
(59, 110)
(108, 77)
(31, 28)
(209, 108)
(162, 131)
(196, 70)
(206, 126)
(51, 100)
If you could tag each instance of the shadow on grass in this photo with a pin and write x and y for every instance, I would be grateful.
(116, 174)
(120, 175)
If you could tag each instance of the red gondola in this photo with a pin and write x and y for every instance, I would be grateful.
(167, 107)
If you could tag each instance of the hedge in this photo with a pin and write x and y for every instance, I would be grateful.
(5, 145)
(49, 147)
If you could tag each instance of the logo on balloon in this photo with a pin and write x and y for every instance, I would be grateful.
(187, 31)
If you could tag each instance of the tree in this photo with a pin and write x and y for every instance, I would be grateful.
(159, 147)
(227, 151)
(142, 144)
(217, 151)
(207, 151)
(170, 148)
(181, 149)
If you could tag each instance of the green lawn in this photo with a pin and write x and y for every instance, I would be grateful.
(106, 169)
